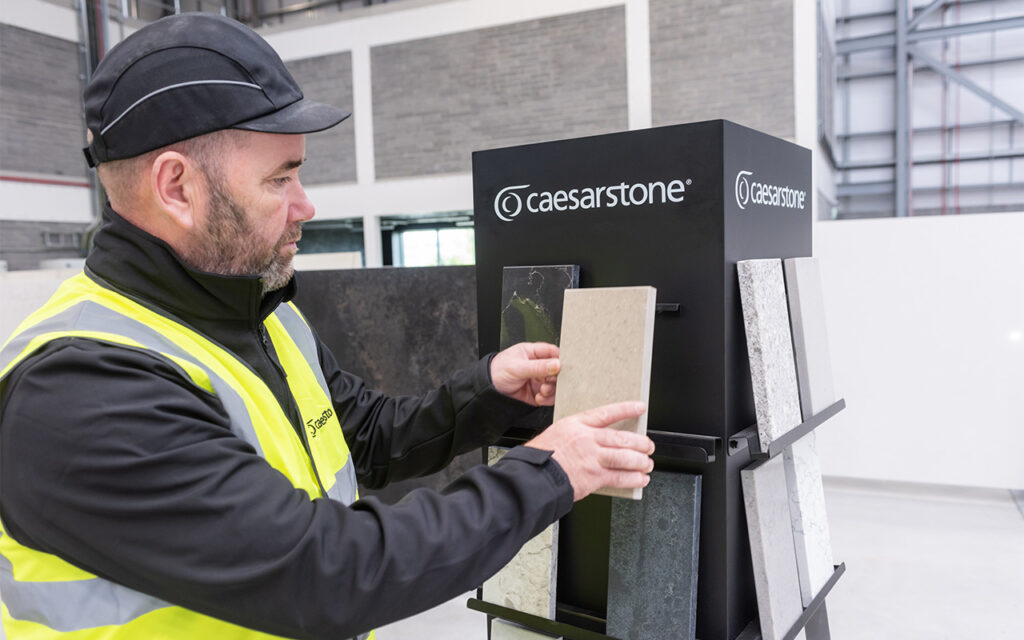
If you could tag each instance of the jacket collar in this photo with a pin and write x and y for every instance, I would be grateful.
(147, 269)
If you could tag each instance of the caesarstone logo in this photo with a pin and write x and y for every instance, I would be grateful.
(513, 200)
(749, 190)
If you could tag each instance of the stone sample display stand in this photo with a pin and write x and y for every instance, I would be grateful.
(674, 208)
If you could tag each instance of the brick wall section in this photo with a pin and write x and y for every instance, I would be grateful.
(22, 243)
(729, 59)
(41, 127)
(437, 100)
(331, 154)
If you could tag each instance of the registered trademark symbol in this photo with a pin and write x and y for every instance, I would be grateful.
(689, 182)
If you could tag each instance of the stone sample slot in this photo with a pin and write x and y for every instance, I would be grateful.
(652, 563)
(769, 348)
(607, 343)
(531, 302)
(501, 630)
(814, 374)
(771, 547)
(528, 582)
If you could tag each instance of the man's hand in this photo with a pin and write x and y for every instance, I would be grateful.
(527, 371)
(594, 457)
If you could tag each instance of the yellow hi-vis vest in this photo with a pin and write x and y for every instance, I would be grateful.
(45, 597)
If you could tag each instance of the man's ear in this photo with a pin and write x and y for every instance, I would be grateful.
(178, 186)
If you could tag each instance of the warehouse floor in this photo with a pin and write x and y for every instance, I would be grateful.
(923, 563)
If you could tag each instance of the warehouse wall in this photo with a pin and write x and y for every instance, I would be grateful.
(40, 113)
(730, 59)
(330, 155)
(436, 100)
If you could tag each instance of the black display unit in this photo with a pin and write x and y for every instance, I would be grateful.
(673, 207)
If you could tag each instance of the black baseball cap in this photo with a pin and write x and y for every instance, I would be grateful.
(190, 74)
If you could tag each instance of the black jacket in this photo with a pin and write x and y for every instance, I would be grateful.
(111, 460)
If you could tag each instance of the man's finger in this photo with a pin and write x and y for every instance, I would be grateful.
(534, 369)
(608, 414)
(626, 480)
(625, 460)
(541, 350)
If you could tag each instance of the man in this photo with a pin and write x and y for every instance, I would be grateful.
(179, 451)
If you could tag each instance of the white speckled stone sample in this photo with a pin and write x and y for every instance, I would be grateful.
(814, 373)
(607, 343)
(652, 560)
(501, 630)
(810, 521)
(769, 348)
(528, 582)
(771, 548)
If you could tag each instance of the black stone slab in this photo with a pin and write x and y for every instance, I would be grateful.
(403, 331)
(531, 302)
(531, 311)
(652, 560)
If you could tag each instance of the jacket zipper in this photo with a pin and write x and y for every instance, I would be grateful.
(261, 332)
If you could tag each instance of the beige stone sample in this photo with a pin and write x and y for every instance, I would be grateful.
(527, 582)
(607, 343)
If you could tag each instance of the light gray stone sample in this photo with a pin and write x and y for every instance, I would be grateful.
(652, 562)
(607, 343)
(810, 336)
(814, 373)
(770, 528)
(528, 582)
(769, 348)
(501, 630)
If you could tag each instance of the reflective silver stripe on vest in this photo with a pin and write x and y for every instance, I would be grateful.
(78, 604)
(92, 316)
(344, 489)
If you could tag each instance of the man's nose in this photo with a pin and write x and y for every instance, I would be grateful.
(302, 208)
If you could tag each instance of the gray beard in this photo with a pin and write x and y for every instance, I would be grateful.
(223, 247)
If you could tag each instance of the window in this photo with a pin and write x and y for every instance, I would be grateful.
(429, 241)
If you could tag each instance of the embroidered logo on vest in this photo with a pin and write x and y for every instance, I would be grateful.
(314, 425)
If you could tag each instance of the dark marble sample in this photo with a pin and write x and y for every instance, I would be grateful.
(403, 331)
(652, 560)
(531, 302)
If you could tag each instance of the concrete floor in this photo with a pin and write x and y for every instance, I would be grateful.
(922, 563)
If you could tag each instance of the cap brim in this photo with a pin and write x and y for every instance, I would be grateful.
(302, 116)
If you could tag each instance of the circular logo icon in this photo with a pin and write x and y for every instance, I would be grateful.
(743, 188)
(508, 204)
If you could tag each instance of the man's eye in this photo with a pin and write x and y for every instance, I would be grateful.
(282, 181)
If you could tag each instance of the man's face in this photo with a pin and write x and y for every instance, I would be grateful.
(254, 211)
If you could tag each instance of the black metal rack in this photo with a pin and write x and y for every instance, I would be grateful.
(703, 449)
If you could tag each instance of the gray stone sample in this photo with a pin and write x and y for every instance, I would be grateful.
(770, 528)
(652, 563)
(607, 344)
(769, 348)
(403, 331)
(531, 302)
(528, 582)
(803, 469)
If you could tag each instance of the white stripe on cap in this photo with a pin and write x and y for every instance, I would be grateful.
(176, 86)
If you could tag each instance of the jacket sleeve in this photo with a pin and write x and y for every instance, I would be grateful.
(112, 461)
(394, 438)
